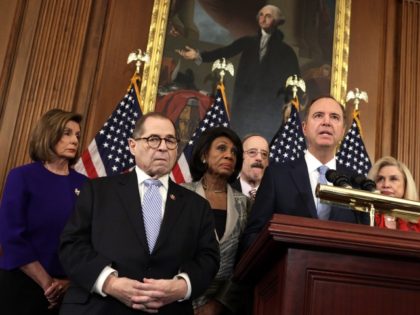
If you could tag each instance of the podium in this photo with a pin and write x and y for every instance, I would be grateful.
(306, 266)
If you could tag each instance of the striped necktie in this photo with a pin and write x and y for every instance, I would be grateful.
(152, 211)
(322, 208)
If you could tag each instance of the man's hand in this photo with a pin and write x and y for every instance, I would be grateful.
(157, 293)
(147, 296)
(123, 289)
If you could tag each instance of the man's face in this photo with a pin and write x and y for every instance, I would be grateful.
(255, 159)
(266, 19)
(159, 161)
(324, 126)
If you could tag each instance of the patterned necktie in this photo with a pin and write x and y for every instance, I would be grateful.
(322, 208)
(252, 193)
(152, 211)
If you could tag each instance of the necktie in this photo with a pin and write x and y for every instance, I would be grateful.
(152, 211)
(252, 193)
(322, 208)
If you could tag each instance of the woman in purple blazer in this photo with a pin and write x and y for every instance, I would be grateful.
(37, 201)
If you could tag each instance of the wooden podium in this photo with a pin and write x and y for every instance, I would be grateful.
(307, 266)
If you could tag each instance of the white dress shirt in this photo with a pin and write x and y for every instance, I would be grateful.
(246, 188)
(313, 164)
(265, 37)
(141, 177)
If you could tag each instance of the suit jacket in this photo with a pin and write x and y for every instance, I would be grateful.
(107, 229)
(222, 289)
(259, 90)
(286, 189)
(237, 185)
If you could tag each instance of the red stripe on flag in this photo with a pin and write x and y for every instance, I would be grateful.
(177, 174)
(88, 164)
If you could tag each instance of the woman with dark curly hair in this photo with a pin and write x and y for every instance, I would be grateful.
(37, 201)
(216, 162)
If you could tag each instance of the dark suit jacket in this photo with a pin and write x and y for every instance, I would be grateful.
(286, 189)
(259, 92)
(107, 229)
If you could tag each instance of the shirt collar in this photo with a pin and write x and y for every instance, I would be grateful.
(265, 34)
(313, 163)
(142, 176)
(246, 187)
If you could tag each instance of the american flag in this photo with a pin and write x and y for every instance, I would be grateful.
(108, 153)
(216, 116)
(289, 143)
(352, 153)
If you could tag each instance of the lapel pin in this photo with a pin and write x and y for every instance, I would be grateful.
(77, 192)
(172, 196)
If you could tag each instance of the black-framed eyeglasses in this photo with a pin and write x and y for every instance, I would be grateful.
(253, 153)
(155, 141)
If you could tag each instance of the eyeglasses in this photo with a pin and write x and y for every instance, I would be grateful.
(253, 153)
(155, 141)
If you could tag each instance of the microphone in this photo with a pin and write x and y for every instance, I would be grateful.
(364, 183)
(338, 179)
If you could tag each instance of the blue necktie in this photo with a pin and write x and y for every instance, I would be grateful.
(152, 211)
(322, 208)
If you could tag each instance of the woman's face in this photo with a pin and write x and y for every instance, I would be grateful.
(390, 181)
(67, 146)
(221, 157)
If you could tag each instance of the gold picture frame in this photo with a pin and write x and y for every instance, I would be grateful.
(156, 41)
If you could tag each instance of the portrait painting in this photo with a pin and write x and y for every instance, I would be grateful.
(307, 38)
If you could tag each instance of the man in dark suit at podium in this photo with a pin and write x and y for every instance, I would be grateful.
(289, 188)
(138, 242)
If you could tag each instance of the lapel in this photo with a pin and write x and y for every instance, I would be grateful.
(299, 173)
(130, 197)
(232, 215)
(174, 207)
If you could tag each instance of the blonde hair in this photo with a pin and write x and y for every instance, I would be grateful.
(410, 191)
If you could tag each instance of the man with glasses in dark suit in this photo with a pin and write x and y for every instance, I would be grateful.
(138, 241)
(254, 164)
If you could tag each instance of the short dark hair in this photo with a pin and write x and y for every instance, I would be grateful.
(139, 128)
(202, 147)
(308, 107)
(48, 132)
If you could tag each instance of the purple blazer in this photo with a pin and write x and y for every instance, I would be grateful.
(35, 207)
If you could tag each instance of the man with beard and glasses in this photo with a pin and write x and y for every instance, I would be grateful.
(254, 164)
(289, 188)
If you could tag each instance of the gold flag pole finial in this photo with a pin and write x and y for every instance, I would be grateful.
(222, 66)
(138, 57)
(357, 96)
(296, 83)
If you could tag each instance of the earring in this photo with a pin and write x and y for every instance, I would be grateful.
(204, 161)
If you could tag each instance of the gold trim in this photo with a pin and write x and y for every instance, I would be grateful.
(157, 33)
(340, 62)
(155, 46)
